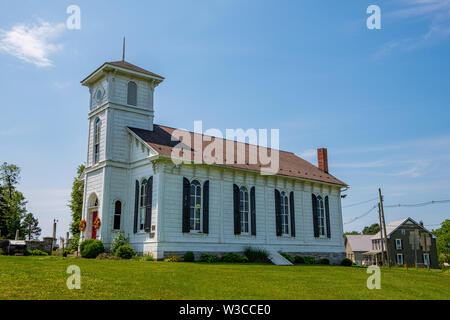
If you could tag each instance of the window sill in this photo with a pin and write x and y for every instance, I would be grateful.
(195, 233)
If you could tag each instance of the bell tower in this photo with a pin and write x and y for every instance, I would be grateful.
(121, 95)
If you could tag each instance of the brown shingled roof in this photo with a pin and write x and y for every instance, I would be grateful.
(129, 66)
(160, 139)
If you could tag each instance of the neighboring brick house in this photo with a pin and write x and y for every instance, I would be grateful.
(408, 242)
(356, 246)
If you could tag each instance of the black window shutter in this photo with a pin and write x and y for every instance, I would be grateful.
(148, 205)
(237, 214)
(291, 203)
(314, 212)
(327, 217)
(206, 207)
(186, 204)
(136, 207)
(278, 212)
(253, 210)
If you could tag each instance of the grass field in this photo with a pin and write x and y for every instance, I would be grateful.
(45, 278)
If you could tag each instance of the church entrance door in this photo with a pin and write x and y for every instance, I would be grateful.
(94, 232)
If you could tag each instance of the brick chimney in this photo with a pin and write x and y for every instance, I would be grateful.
(322, 159)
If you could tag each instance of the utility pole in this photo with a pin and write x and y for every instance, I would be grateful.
(54, 233)
(384, 226)
(381, 235)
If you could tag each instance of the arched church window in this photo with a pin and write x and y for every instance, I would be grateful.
(196, 206)
(132, 93)
(243, 209)
(143, 201)
(97, 126)
(284, 213)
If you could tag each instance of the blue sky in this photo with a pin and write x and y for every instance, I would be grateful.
(377, 99)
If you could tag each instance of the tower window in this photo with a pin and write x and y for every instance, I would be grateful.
(117, 214)
(97, 140)
(132, 93)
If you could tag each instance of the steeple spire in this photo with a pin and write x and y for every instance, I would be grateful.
(123, 50)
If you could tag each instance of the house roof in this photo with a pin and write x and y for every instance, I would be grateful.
(394, 225)
(359, 243)
(129, 66)
(124, 65)
(290, 165)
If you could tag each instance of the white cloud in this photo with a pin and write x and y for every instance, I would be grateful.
(32, 43)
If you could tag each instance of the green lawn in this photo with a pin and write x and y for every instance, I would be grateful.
(45, 278)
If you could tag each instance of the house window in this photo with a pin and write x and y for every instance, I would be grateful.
(196, 206)
(143, 202)
(117, 214)
(97, 126)
(321, 217)
(243, 209)
(398, 244)
(399, 259)
(132, 93)
(426, 259)
(284, 214)
(403, 232)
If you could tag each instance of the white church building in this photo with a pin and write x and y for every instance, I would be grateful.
(131, 183)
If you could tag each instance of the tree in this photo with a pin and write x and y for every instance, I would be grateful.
(352, 233)
(30, 226)
(13, 203)
(76, 201)
(3, 220)
(9, 176)
(443, 240)
(373, 229)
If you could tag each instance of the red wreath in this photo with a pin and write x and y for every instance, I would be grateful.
(82, 225)
(97, 223)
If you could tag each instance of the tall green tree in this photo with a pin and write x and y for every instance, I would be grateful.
(9, 176)
(30, 226)
(13, 202)
(443, 240)
(3, 220)
(76, 200)
(372, 229)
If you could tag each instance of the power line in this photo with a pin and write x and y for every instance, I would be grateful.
(422, 204)
(358, 203)
(361, 216)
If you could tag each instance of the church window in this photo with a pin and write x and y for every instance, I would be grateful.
(143, 201)
(132, 93)
(243, 209)
(97, 140)
(196, 206)
(284, 214)
(321, 217)
(117, 214)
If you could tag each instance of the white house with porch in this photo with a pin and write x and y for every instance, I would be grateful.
(131, 183)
